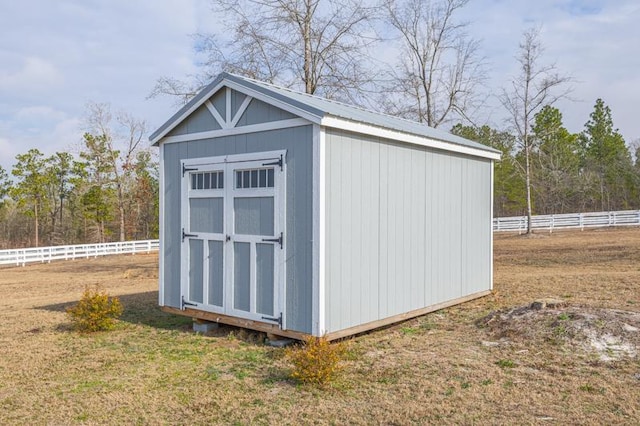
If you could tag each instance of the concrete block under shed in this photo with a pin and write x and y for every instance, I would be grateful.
(202, 326)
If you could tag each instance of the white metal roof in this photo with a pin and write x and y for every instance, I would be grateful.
(331, 114)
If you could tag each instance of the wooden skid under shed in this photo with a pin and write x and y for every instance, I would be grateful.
(275, 329)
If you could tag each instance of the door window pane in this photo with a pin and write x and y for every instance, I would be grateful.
(270, 178)
(263, 179)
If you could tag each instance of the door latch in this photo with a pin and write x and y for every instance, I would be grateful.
(278, 240)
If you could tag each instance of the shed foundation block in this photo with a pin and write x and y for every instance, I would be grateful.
(202, 326)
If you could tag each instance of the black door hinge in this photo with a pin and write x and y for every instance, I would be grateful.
(185, 303)
(185, 235)
(279, 163)
(187, 169)
(278, 319)
(278, 240)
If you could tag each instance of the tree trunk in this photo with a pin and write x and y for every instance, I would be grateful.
(308, 71)
(527, 166)
(528, 184)
(122, 233)
(35, 210)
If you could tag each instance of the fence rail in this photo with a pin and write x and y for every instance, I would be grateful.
(47, 254)
(568, 221)
(500, 224)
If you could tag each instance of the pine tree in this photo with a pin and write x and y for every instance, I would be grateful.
(607, 161)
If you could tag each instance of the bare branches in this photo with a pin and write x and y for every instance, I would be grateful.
(122, 141)
(315, 47)
(534, 87)
(175, 88)
(441, 70)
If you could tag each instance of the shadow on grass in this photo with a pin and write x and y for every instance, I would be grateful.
(143, 309)
(139, 308)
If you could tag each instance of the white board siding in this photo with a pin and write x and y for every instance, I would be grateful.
(407, 227)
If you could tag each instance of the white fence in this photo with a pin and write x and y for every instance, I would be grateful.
(567, 221)
(47, 254)
(509, 224)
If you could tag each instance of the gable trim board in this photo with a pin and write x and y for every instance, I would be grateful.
(252, 128)
(334, 146)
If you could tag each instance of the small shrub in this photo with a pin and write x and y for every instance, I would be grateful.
(317, 362)
(591, 389)
(505, 363)
(95, 311)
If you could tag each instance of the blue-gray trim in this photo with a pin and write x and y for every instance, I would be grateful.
(320, 108)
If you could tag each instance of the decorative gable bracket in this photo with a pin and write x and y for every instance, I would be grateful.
(228, 122)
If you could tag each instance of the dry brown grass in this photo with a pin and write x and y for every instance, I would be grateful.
(440, 368)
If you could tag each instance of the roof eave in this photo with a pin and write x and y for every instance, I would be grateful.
(415, 139)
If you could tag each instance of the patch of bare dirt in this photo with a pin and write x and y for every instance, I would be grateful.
(609, 334)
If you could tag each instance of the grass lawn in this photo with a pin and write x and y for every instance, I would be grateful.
(575, 362)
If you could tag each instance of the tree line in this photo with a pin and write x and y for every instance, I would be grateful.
(415, 59)
(409, 58)
(593, 170)
(106, 191)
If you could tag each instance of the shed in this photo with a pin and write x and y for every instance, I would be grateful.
(296, 215)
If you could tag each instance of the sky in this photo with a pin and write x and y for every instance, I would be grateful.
(56, 56)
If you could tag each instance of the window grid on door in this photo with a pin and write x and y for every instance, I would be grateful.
(207, 180)
(255, 178)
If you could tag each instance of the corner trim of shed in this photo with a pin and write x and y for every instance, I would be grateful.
(318, 322)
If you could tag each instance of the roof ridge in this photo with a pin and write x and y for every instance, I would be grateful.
(383, 114)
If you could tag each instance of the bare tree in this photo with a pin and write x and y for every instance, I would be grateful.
(534, 87)
(313, 45)
(440, 70)
(122, 141)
